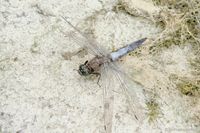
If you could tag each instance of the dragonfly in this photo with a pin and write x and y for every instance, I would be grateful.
(104, 61)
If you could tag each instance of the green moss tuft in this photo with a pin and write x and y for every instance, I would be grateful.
(153, 110)
(189, 88)
(121, 7)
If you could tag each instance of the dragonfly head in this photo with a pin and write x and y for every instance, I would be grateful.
(84, 70)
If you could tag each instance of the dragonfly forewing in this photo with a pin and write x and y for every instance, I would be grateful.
(84, 40)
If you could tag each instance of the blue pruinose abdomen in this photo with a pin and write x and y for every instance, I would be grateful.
(125, 50)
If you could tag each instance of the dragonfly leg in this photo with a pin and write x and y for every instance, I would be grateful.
(99, 76)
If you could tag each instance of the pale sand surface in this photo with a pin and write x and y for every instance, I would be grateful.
(39, 90)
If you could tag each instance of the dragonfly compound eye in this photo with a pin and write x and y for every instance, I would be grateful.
(83, 70)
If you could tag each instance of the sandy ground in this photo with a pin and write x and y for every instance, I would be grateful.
(41, 92)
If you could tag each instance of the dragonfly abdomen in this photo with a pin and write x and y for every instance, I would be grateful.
(125, 50)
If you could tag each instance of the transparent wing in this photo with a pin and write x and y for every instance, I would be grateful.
(108, 97)
(83, 40)
(133, 91)
(113, 77)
